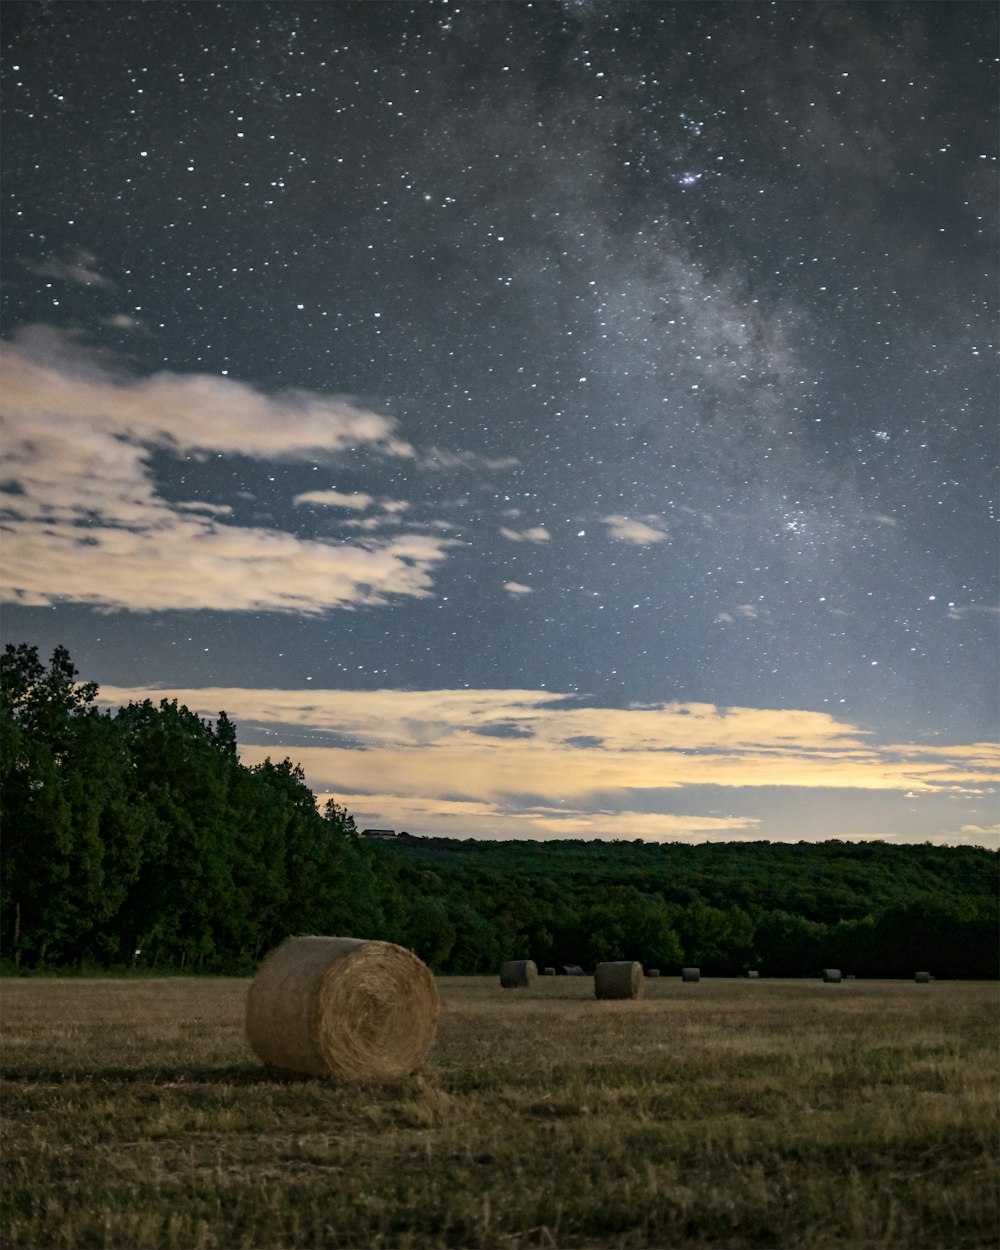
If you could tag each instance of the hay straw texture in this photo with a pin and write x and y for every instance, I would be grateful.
(832, 976)
(345, 1007)
(922, 978)
(691, 974)
(517, 972)
(621, 979)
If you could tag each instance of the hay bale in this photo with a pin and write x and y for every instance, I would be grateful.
(618, 979)
(345, 1007)
(653, 972)
(572, 970)
(691, 974)
(922, 978)
(548, 972)
(753, 975)
(832, 976)
(517, 972)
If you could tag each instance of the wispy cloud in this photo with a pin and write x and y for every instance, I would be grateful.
(517, 588)
(123, 321)
(83, 520)
(335, 499)
(81, 268)
(534, 534)
(640, 531)
(543, 763)
(440, 458)
(961, 611)
(745, 611)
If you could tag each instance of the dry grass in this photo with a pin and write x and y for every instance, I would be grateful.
(727, 1114)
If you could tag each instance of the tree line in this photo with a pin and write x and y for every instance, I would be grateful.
(138, 838)
(870, 908)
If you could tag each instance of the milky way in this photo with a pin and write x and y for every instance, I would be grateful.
(628, 356)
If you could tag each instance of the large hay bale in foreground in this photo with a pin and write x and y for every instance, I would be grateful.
(922, 978)
(691, 974)
(516, 973)
(832, 976)
(619, 979)
(345, 1007)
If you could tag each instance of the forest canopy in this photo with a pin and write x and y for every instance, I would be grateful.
(138, 838)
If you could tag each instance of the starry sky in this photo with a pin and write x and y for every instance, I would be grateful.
(561, 419)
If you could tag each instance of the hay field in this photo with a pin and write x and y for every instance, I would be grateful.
(725, 1114)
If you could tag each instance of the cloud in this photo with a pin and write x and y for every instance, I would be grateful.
(48, 376)
(640, 532)
(650, 826)
(438, 458)
(535, 534)
(545, 774)
(746, 611)
(81, 269)
(335, 499)
(466, 818)
(122, 321)
(517, 588)
(83, 521)
(959, 611)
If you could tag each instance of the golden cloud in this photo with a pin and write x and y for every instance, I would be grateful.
(84, 522)
(536, 763)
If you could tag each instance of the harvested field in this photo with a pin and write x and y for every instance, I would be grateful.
(753, 1114)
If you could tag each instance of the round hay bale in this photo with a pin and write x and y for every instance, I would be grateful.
(345, 1007)
(517, 972)
(922, 978)
(832, 976)
(753, 975)
(572, 970)
(619, 979)
(548, 972)
(691, 974)
(653, 972)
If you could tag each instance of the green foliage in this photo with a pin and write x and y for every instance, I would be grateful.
(142, 833)
(874, 909)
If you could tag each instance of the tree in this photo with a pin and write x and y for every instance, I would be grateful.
(52, 868)
(42, 700)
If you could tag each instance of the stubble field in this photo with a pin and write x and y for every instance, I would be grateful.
(728, 1113)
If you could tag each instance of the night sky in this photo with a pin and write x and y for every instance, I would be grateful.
(539, 419)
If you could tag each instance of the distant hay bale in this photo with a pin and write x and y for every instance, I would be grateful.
(355, 1009)
(548, 972)
(517, 972)
(922, 978)
(753, 975)
(619, 979)
(690, 974)
(572, 970)
(653, 972)
(832, 976)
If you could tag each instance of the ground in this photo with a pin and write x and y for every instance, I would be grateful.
(727, 1113)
